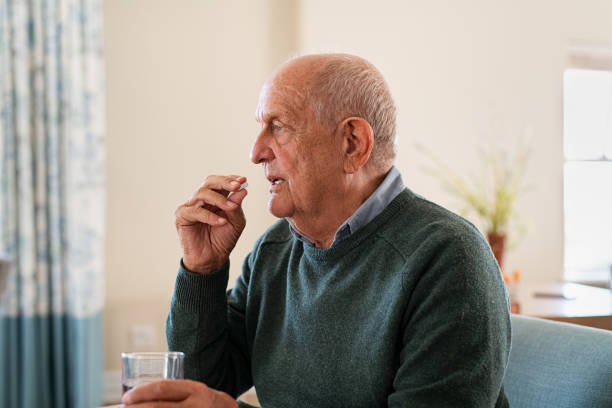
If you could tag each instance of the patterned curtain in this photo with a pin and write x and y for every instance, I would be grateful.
(51, 202)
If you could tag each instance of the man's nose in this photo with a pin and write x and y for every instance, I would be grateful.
(261, 151)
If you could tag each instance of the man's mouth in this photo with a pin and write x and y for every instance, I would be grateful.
(273, 179)
(275, 182)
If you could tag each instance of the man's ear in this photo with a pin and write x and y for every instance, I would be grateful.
(357, 143)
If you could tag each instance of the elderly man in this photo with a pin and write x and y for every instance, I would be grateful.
(363, 294)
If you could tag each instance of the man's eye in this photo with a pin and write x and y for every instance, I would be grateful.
(277, 126)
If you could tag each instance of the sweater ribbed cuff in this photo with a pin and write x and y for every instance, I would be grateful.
(199, 292)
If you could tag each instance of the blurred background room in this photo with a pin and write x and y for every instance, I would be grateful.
(113, 112)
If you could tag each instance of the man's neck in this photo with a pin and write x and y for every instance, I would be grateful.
(320, 229)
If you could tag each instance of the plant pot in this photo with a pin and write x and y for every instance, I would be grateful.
(497, 243)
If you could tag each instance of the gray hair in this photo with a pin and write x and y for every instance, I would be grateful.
(347, 86)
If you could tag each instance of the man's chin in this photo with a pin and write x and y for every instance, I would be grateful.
(279, 208)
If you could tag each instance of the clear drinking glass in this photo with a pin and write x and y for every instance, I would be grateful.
(144, 368)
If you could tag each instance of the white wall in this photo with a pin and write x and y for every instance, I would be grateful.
(469, 75)
(182, 85)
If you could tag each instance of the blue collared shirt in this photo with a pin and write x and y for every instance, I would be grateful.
(391, 186)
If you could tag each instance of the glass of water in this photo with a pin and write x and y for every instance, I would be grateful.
(144, 368)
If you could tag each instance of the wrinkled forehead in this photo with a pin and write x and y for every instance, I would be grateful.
(278, 96)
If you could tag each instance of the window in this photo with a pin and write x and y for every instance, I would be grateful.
(587, 139)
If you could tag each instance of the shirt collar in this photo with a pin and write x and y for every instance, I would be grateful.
(390, 187)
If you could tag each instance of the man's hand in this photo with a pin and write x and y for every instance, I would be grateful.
(210, 223)
(177, 393)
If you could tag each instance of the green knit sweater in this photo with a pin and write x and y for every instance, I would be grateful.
(409, 311)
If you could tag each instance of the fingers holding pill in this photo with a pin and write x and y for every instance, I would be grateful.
(223, 186)
(223, 183)
(210, 222)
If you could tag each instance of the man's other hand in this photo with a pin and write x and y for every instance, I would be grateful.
(177, 393)
(210, 223)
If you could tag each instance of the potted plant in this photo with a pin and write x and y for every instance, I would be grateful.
(491, 196)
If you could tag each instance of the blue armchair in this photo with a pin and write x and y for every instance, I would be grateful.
(558, 365)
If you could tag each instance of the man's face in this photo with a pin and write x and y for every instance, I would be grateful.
(301, 159)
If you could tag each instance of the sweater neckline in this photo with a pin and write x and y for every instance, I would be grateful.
(339, 249)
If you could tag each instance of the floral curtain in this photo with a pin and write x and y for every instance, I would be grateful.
(51, 202)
